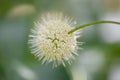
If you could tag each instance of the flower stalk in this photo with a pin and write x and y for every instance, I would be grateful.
(91, 23)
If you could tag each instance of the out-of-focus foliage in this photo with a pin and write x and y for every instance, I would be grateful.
(99, 59)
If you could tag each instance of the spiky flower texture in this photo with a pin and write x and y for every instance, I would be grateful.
(50, 41)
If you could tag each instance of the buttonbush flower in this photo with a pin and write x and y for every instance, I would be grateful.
(54, 38)
(50, 41)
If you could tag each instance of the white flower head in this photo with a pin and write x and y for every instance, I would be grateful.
(50, 41)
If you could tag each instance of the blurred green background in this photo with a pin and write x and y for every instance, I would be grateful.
(99, 59)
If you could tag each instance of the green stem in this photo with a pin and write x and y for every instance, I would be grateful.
(92, 23)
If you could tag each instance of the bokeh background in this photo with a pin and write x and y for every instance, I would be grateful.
(98, 60)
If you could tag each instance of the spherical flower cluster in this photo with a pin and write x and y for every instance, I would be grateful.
(50, 41)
